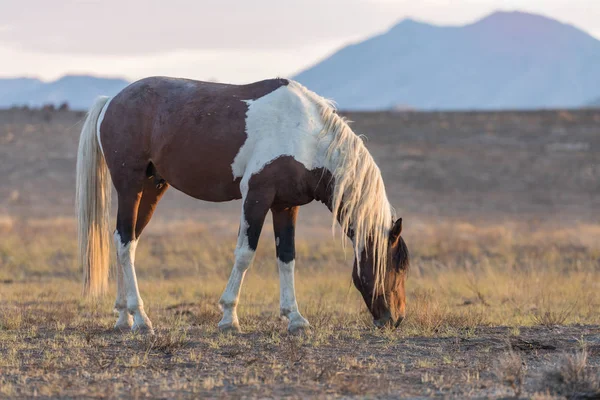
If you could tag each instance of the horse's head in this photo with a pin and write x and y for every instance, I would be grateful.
(388, 305)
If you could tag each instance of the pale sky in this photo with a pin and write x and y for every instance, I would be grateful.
(228, 40)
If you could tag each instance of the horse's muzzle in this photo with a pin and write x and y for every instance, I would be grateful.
(388, 321)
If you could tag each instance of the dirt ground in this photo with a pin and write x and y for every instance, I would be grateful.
(195, 361)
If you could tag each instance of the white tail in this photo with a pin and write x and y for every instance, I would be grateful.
(93, 205)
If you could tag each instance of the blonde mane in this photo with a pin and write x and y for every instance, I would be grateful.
(359, 198)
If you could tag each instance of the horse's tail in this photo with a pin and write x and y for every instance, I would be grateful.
(93, 205)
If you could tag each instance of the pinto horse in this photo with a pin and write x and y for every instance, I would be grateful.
(274, 144)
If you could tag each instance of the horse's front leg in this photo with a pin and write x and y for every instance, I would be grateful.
(284, 227)
(254, 210)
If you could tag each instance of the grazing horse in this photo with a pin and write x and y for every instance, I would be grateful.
(274, 144)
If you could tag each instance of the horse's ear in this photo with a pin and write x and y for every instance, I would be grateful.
(396, 230)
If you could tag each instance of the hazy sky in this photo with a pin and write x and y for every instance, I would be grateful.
(232, 41)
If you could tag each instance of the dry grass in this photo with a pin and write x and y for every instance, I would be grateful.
(466, 282)
(510, 369)
(462, 276)
(574, 378)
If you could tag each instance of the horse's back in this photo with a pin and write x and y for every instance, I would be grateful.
(154, 88)
(191, 131)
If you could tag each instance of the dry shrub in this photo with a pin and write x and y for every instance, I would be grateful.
(553, 316)
(11, 318)
(210, 382)
(510, 369)
(573, 377)
(354, 385)
(202, 312)
(428, 316)
(207, 316)
(166, 342)
(292, 350)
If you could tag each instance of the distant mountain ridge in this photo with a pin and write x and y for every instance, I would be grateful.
(507, 60)
(77, 90)
(594, 103)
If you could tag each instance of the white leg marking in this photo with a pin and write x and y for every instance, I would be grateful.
(229, 300)
(287, 297)
(125, 320)
(135, 305)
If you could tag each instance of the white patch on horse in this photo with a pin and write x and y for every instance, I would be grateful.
(282, 123)
(99, 123)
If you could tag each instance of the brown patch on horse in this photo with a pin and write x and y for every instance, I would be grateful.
(185, 128)
(294, 184)
(284, 183)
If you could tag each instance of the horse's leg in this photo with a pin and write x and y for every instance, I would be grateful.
(150, 197)
(126, 243)
(151, 194)
(254, 210)
(284, 227)
(125, 320)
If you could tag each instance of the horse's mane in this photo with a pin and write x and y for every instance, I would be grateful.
(359, 198)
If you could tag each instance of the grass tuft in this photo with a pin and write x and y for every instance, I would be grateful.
(573, 377)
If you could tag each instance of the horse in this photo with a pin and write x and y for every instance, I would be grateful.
(274, 144)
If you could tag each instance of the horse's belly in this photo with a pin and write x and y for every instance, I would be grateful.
(202, 181)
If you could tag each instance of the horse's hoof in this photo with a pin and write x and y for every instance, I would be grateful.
(299, 327)
(230, 327)
(144, 328)
(124, 324)
(122, 328)
(142, 324)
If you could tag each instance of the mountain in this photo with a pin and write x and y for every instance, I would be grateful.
(594, 103)
(508, 60)
(78, 90)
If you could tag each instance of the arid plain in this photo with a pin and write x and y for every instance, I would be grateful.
(501, 215)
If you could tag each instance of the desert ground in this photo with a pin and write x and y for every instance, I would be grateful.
(501, 216)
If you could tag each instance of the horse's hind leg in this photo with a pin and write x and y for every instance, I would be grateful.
(284, 227)
(151, 194)
(254, 210)
(129, 187)
(153, 191)
(125, 320)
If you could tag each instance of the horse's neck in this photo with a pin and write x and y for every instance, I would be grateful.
(324, 185)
